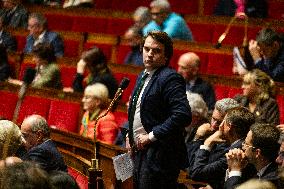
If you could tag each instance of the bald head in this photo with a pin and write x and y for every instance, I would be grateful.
(188, 66)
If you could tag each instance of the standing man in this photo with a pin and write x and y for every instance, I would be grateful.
(41, 149)
(158, 113)
(37, 26)
(188, 67)
(163, 19)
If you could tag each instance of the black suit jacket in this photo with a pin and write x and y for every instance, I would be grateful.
(270, 174)
(47, 156)
(16, 19)
(8, 41)
(164, 109)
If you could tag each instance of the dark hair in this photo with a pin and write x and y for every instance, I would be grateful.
(24, 175)
(163, 38)
(3, 55)
(241, 119)
(41, 20)
(265, 137)
(45, 52)
(267, 36)
(62, 180)
(96, 59)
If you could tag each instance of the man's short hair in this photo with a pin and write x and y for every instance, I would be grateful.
(265, 137)
(44, 51)
(241, 119)
(164, 4)
(41, 20)
(226, 104)
(39, 123)
(267, 36)
(163, 38)
(143, 13)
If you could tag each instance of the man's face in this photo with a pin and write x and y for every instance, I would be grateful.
(8, 4)
(153, 54)
(34, 28)
(187, 69)
(269, 51)
(132, 39)
(31, 138)
(280, 158)
(216, 120)
(158, 15)
(225, 128)
(248, 148)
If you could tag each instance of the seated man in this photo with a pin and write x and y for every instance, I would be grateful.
(14, 13)
(268, 53)
(188, 67)
(39, 34)
(260, 148)
(41, 149)
(165, 20)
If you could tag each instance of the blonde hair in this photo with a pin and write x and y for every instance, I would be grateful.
(257, 184)
(10, 138)
(265, 84)
(100, 91)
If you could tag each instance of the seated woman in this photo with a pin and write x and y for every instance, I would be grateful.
(258, 91)
(96, 62)
(48, 73)
(95, 102)
(4, 65)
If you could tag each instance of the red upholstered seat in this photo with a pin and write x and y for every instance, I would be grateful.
(234, 37)
(184, 6)
(233, 91)
(59, 22)
(64, 115)
(275, 10)
(8, 102)
(209, 7)
(280, 101)
(67, 75)
(177, 53)
(81, 179)
(73, 43)
(27, 63)
(220, 64)
(33, 105)
(127, 92)
(221, 91)
(120, 117)
(202, 32)
(89, 24)
(117, 26)
(122, 52)
(103, 4)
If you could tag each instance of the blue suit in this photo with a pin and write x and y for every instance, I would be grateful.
(49, 37)
(47, 156)
(164, 110)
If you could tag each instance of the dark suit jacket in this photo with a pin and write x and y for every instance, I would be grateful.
(17, 18)
(165, 111)
(210, 167)
(8, 41)
(47, 156)
(49, 37)
(205, 90)
(269, 174)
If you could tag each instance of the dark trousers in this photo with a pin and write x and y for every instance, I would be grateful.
(148, 175)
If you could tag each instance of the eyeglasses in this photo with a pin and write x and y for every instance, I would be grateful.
(156, 13)
(244, 144)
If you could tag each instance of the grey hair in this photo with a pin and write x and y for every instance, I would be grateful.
(10, 138)
(164, 4)
(41, 20)
(143, 13)
(226, 104)
(39, 123)
(267, 36)
(197, 104)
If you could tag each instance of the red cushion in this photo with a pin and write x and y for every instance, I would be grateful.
(184, 6)
(23, 68)
(120, 118)
(280, 101)
(33, 105)
(117, 26)
(21, 42)
(71, 47)
(202, 32)
(67, 75)
(103, 4)
(234, 37)
(276, 9)
(89, 24)
(59, 22)
(8, 102)
(234, 91)
(81, 180)
(64, 115)
(122, 52)
(209, 7)
(220, 64)
(221, 91)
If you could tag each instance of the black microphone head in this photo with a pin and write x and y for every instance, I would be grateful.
(218, 45)
(29, 75)
(124, 83)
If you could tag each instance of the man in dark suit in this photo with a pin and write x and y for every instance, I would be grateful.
(188, 67)
(158, 113)
(40, 148)
(207, 166)
(39, 34)
(260, 148)
(14, 13)
(8, 41)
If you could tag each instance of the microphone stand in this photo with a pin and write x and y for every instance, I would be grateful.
(95, 173)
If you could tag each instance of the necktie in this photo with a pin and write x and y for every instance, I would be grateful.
(133, 106)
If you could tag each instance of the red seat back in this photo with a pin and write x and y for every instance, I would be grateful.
(220, 64)
(59, 22)
(280, 101)
(81, 179)
(67, 75)
(120, 118)
(89, 24)
(221, 91)
(8, 103)
(202, 32)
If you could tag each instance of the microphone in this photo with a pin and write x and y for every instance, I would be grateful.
(28, 78)
(123, 85)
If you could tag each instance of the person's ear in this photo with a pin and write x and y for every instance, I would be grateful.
(40, 136)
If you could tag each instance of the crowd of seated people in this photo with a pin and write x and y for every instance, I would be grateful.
(207, 142)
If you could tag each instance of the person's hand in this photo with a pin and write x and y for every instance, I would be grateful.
(254, 50)
(15, 81)
(281, 127)
(81, 65)
(142, 141)
(214, 139)
(236, 159)
(203, 131)
(68, 89)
